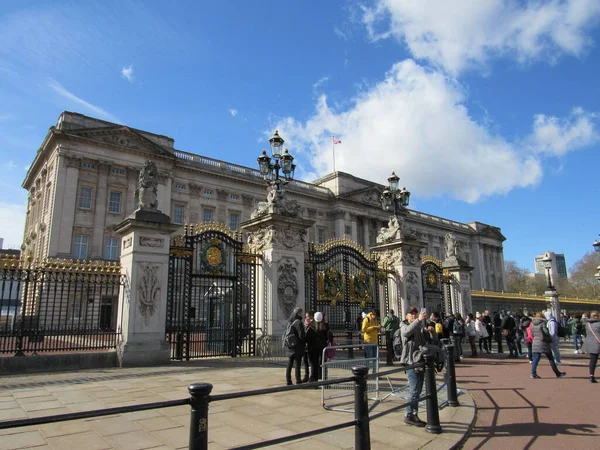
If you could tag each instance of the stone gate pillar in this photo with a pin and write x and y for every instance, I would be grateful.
(403, 256)
(460, 289)
(146, 237)
(282, 242)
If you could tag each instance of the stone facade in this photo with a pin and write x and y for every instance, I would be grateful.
(84, 178)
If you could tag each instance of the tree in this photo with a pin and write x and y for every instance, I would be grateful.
(516, 277)
(583, 282)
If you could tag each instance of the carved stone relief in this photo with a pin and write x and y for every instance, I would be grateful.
(413, 293)
(392, 232)
(287, 286)
(151, 242)
(148, 289)
(411, 256)
(259, 239)
(291, 238)
(390, 257)
(72, 161)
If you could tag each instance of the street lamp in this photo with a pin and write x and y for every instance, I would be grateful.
(271, 165)
(596, 245)
(394, 199)
(548, 265)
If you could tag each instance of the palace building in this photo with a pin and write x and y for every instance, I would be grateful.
(84, 178)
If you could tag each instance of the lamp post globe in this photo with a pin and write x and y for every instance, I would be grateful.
(276, 143)
(392, 198)
(596, 245)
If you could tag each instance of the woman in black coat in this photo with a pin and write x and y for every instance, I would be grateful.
(316, 342)
(542, 344)
(294, 344)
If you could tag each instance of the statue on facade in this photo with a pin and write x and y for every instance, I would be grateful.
(391, 232)
(276, 204)
(451, 246)
(147, 191)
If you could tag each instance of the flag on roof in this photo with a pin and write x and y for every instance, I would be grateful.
(336, 141)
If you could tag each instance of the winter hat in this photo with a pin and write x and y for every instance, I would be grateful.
(319, 316)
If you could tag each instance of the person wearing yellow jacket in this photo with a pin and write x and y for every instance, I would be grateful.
(370, 328)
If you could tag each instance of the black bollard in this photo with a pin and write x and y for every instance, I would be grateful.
(433, 413)
(453, 343)
(199, 399)
(362, 435)
(451, 376)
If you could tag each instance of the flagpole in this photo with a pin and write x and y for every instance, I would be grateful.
(333, 150)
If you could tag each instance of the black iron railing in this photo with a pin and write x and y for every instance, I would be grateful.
(201, 398)
(60, 308)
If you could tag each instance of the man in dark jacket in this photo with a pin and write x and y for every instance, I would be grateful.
(509, 329)
(498, 330)
(295, 344)
(414, 336)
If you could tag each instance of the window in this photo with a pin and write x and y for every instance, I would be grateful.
(88, 165)
(76, 307)
(234, 197)
(117, 171)
(320, 236)
(80, 246)
(207, 192)
(178, 214)
(114, 202)
(320, 214)
(111, 248)
(85, 197)
(208, 215)
(234, 220)
(180, 187)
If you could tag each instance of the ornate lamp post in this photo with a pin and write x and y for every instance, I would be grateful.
(550, 290)
(271, 165)
(596, 245)
(548, 266)
(394, 199)
(277, 170)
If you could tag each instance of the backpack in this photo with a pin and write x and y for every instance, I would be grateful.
(290, 337)
(561, 330)
(458, 328)
(397, 343)
(578, 328)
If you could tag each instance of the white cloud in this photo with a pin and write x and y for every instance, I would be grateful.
(413, 122)
(12, 223)
(9, 166)
(233, 112)
(70, 96)
(461, 33)
(127, 73)
(556, 136)
(321, 81)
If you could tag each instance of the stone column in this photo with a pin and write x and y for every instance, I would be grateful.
(403, 256)
(100, 209)
(461, 286)
(67, 192)
(145, 262)
(553, 301)
(282, 241)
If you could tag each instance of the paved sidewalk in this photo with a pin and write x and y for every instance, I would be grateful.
(231, 423)
(517, 412)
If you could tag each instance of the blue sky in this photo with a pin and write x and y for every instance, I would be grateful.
(487, 111)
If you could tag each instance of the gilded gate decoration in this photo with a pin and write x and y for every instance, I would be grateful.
(435, 285)
(342, 281)
(211, 294)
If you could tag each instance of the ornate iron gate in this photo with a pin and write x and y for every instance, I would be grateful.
(434, 284)
(211, 296)
(343, 281)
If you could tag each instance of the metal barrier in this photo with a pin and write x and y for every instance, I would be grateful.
(200, 399)
(341, 393)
